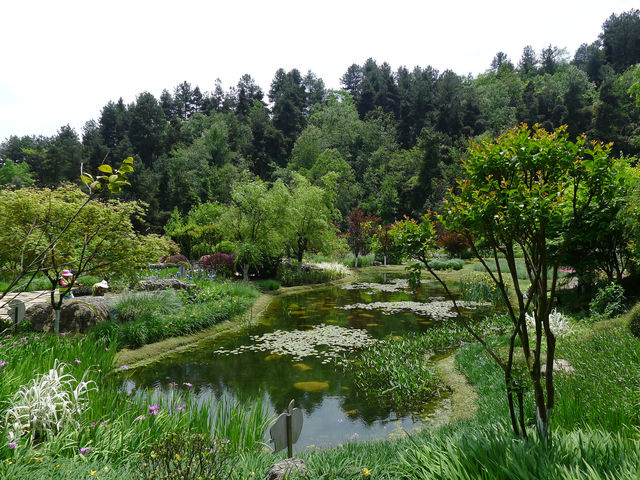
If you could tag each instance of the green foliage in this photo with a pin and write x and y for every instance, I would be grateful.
(479, 287)
(608, 302)
(267, 284)
(291, 275)
(189, 457)
(17, 174)
(363, 260)
(446, 264)
(634, 321)
(521, 268)
(136, 305)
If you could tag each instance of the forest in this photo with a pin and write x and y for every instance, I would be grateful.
(389, 141)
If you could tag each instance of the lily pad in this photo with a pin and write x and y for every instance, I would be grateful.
(303, 367)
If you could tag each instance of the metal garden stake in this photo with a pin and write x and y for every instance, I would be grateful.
(285, 431)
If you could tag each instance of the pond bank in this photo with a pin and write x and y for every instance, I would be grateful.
(156, 352)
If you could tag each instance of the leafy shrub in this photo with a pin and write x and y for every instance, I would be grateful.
(634, 320)
(336, 270)
(454, 243)
(48, 403)
(446, 264)
(521, 269)
(608, 302)
(220, 262)
(177, 455)
(479, 287)
(175, 259)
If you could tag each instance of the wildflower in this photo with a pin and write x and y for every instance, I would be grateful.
(93, 424)
(106, 469)
(188, 384)
(78, 362)
(173, 384)
(3, 363)
(36, 459)
(178, 457)
(63, 334)
(106, 349)
(12, 445)
(93, 472)
(125, 367)
(354, 436)
(180, 407)
(103, 423)
(366, 472)
(85, 450)
(139, 417)
(154, 409)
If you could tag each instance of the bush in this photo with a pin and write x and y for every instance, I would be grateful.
(446, 264)
(179, 455)
(175, 259)
(222, 263)
(290, 275)
(267, 284)
(608, 302)
(634, 321)
(226, 247)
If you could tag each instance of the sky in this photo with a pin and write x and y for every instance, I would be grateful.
(62, 61)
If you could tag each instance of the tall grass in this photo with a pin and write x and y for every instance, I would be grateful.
(446, 264)
(479, 287)
(115, 428)
(521, 269)
(363, 260)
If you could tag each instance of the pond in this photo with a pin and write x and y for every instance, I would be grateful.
(245, 365)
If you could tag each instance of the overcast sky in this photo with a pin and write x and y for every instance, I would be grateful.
(62, 61)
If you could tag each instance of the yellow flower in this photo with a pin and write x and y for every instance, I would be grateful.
(177, 457)
(93, 472)
(366, 472)
(56, 467)
(106, 469)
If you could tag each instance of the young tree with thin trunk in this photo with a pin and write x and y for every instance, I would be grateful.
(361, 228)
(530, 190)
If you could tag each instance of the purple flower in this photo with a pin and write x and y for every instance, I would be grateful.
(188, 384)
(63, 334)
(125, 367)
(173, 384)
(154, 409)
(3, 363)
(354, 436)
(180, 407)
(106, 349)
(12, 445)
(85, 450)
(78, 362)
(93, 424)
(138, 418)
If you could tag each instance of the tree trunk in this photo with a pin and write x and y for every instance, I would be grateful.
(245, 272)
(56, 322)
(385, 260)
(356, 264)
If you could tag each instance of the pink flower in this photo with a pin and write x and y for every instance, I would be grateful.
(125, 367)
(154, 409)
(106, 349)
(173, 384)
(180, 407)
(78, 362)
(3, 363)
(188, 384)
(63, 334)
(138, 418)
(12, 445)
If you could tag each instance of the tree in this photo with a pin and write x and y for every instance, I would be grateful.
(621, 40)
(361, 228)
(49, 231)
(148, 124)
(534, 190)
(255, 222)
(384, 238)
(528, 62)
(16, 174)
(310, 213)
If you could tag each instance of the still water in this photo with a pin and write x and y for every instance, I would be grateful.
(334, 410)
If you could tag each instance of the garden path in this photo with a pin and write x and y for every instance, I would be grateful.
(28, 298)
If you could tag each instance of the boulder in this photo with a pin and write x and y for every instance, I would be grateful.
(76, 316)
(164, 284)
(285, 468)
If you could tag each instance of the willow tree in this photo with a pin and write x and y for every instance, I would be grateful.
(528, 190)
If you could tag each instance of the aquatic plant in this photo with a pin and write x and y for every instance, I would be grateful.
(395, 285)
(437, 309)
(560, 324)
(322, 341)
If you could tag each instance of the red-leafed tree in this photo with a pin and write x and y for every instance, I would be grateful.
(362, 226)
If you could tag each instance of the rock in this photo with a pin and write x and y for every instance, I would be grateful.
(375, 263)
(77, 316)
(164, 284)
(287, 467)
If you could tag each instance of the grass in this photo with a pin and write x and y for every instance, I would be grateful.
(291, 275)
(267, 284)
(479, 287)
(363, 260)
(117, 429)
(141, 318)
(447, 264)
